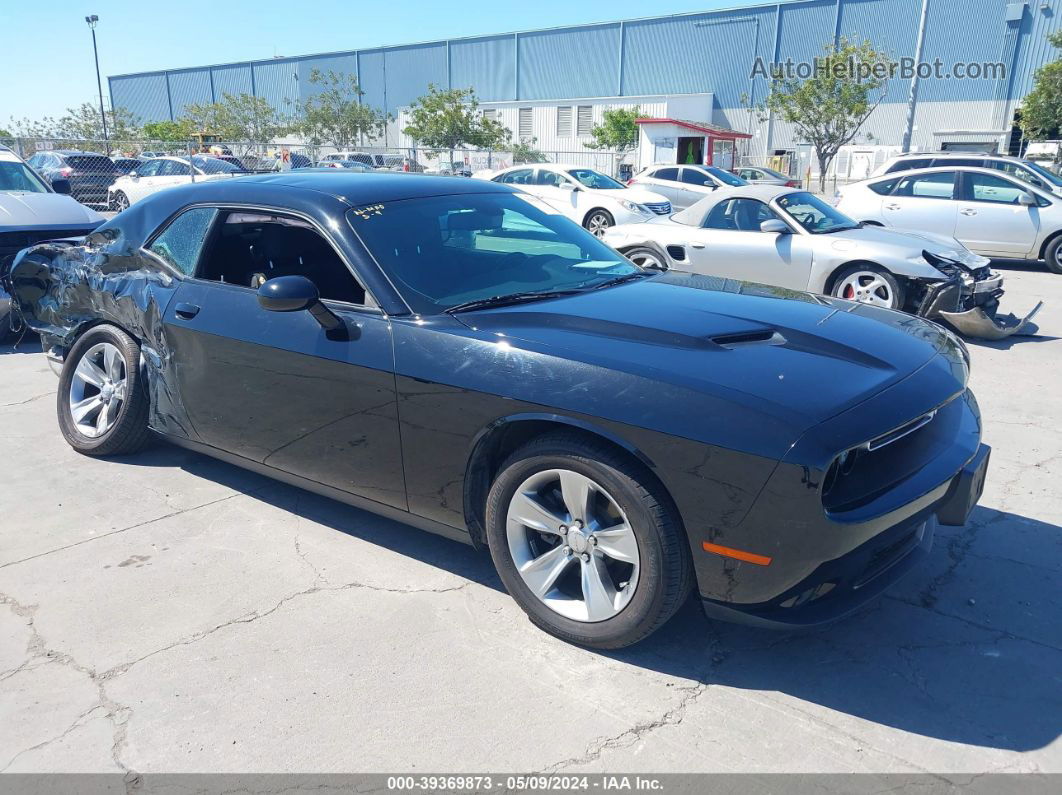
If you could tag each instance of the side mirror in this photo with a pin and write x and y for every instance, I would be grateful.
(295, 294)
(133, 175)
(61, 185)
(774, 225)
(1026, 199)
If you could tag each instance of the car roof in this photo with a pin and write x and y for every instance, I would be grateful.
(995, 172)
(695, 214)
(956, 154)
(372, 186)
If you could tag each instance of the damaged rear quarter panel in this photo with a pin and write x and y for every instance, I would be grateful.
(62, 290)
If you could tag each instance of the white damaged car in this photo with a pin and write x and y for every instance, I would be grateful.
(790, 238)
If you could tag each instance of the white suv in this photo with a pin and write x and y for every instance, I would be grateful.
(1025, 170)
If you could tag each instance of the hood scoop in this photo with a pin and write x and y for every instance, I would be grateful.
(743, 339)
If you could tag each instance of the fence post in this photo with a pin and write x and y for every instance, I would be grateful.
(191, 168)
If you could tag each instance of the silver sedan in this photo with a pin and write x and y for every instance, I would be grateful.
(793, 239)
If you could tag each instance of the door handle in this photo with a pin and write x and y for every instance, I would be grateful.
(892, 206)
(186, 311)
(968, 211)
(695, 244)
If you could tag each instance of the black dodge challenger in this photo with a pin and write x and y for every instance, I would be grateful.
(457, 355)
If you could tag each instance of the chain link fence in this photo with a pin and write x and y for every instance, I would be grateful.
(110, 174)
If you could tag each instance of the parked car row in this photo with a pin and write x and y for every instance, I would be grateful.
(457, 354)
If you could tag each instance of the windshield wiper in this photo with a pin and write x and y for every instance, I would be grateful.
(627, 277)
(508, 300)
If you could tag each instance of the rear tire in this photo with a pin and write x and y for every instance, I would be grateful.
(102, 404)
(1053, 255)
(121, 202)
(628, 540)
(645, 257)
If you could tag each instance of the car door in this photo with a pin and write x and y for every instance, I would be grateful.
(990, 219)
(560, 192)
(696, 184)
(922, 202)
(732, 245)
(276, 387)
(136, 188)
(665, 181)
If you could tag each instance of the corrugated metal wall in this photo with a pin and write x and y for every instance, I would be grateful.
(680, 54)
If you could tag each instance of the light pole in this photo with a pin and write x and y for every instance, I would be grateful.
(92, 20)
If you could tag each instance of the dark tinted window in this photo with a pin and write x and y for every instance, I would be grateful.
(172, 168)
(959, 161)
(441, 251)
(252, 247)
(722, 175)
(180, 242)
(522, 176)
(666, 173)
(940, 185)
(550, 179)
(692, 176)
(91, 164)
(908, 164)
(884, 187)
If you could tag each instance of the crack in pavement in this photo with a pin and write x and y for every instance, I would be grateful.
(27, 400)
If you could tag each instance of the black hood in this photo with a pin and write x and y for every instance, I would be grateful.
(792, 354)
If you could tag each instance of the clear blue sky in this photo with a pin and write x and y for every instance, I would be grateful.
(46, 47)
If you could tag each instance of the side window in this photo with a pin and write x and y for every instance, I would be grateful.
(884, 188)
(1016, 170)
(667, 173)
(549, 179)
(909, 163)
(180, 242)
(249, 248)
(149, 169)
(173, 168)
(987, 188)
(739, 215)
(928, 186)
(522, 176)
(693, 176)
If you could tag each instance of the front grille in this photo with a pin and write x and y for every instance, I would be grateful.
(13, 242)
(660, 208)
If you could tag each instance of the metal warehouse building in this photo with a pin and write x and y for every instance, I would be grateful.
(554, 84)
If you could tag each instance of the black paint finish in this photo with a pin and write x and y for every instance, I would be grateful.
(737, 397)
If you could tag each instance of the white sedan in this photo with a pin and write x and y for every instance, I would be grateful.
(165, 172)
(989, 212)
(586, 196)
(792, 239)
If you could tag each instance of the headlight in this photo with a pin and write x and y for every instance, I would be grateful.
(634, 208)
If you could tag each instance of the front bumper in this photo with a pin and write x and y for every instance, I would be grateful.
(839, 587)
(970, 305)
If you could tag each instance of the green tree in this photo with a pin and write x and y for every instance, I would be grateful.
(237, 117)
(827, 109)
(167, 130)
(525, 151)
(336, 116)
(617, 132)
(451, 118)
(1041, 110)
(84, 123)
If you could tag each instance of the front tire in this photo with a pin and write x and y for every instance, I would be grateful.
(869, 284)
(645, 257)
(597, 221)
(121, 201)
(586, 542)
(1053, 255)
(102, 403)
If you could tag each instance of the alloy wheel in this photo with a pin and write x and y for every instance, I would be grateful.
(573, 545)
(598, 223)
(866, 287)
(644, 258)
(97, 390)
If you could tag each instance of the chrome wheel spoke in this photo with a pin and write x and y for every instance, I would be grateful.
(618, 543)
(102, 421)
(531, 513)
(119, 390)
(541, 573)
(82, 408)
(112, 363)
(575, 491)
(599, 594)
(90, 373)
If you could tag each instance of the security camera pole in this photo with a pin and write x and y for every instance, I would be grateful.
(92, 20)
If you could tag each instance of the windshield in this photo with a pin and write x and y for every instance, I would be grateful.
(595, 179)
(725, 176)
(1043, 173)
(212, 165)
(442, 251)
(814, 214)
(16, 176)
(772, 173)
